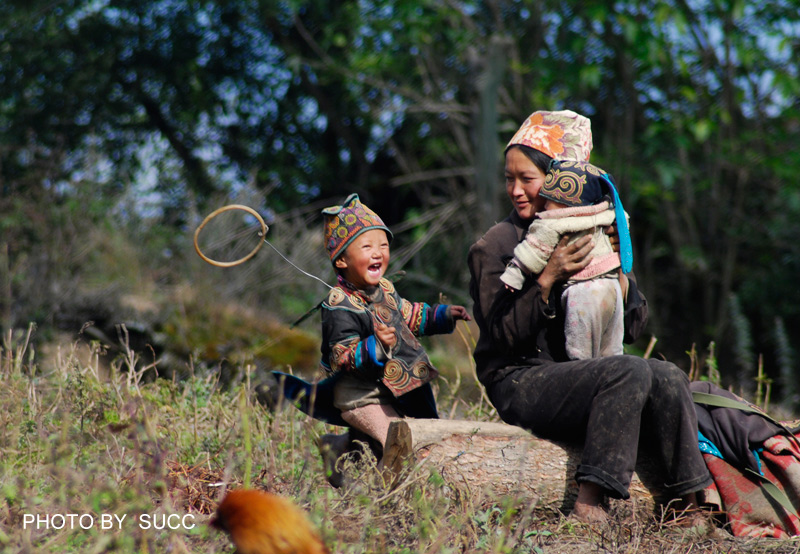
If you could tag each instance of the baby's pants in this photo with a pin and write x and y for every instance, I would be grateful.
(593, 318)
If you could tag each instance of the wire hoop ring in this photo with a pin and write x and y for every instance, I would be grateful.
(215, 213)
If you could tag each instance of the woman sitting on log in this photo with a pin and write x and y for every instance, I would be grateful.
(608, 403)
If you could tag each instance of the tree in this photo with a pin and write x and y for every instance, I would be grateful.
(409, 103)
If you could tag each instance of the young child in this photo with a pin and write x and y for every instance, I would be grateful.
(580, 199)
(369, 332)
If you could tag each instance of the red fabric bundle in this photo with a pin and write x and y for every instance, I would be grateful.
(750, 510)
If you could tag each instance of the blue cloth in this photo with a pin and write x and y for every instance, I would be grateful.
(625, 247)
(301, 393)
(707, 446)
(710, 448)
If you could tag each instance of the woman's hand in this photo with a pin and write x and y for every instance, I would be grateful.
(613, 237)
(623, 285)
(386, 336)
(565, 261)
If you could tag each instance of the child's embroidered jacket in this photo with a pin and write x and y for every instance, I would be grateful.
(349, 342)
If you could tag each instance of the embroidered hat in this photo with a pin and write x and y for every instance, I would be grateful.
(574, 183)
(344, 223)
(577, 183)
(562, 135)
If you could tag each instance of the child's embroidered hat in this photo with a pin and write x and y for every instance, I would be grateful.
(344, 223)
(563, 135)
(583, 184)
(574, 183)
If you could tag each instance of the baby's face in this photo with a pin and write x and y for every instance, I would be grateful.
(366, 259)
(553, 205)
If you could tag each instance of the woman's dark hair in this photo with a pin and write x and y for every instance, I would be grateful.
(539, 158)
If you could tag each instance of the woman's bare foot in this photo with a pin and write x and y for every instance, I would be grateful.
(693, 520)
(686, 513)
(592, 515)
(588, 506)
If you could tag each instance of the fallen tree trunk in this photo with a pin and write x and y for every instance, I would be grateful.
(500, 460)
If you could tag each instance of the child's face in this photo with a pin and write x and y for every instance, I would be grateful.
(553, 205)
(365, 261)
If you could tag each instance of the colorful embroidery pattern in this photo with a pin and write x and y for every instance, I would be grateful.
(564, 186)
(574, 183)
(350, 311)
(344, 223)
(561, 134)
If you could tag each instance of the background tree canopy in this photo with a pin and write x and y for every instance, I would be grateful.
(122, 120)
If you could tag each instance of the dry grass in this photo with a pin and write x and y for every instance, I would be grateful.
(77, 440)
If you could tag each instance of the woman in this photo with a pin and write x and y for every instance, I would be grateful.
(521, 358)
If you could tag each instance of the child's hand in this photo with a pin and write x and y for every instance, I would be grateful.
(459, 312)
(385, 335)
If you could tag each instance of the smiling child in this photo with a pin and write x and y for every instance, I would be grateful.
(369, 332)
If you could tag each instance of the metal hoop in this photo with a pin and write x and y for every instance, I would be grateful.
(212, 215)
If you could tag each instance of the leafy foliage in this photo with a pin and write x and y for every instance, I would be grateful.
(166, 107)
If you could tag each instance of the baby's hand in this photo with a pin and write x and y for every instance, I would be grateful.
(460, 312)
(385, 335)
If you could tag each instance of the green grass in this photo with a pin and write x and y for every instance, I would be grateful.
(102, 443)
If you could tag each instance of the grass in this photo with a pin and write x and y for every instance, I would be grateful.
(95, 461)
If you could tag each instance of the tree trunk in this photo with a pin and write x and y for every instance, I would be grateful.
(502, 460)
(487, 161)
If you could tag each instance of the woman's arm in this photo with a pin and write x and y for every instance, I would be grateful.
(636, 311)
(514, 320)
(510, 320)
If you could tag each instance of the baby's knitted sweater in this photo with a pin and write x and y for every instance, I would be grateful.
(547, 229)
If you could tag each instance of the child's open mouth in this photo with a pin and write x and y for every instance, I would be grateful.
(375, 269)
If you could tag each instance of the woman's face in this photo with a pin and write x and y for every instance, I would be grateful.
(523, 182)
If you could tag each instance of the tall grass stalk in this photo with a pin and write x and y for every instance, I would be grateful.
(785, 356)
(763, 386)
(743, 342)
(244, 406)
(13, 352)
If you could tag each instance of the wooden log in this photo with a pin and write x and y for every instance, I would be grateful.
(500, 460)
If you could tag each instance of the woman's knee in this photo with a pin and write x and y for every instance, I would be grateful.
(667, 371)
(670, 380)
(633, 369)
(628, 377)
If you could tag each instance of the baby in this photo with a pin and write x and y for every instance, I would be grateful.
(580, 199)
